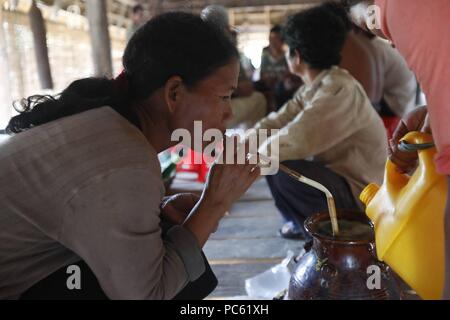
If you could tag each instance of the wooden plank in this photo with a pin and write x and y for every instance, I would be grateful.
(259, 191)
(248, 228)
(244, 261)
(258, 209)
(250, 248)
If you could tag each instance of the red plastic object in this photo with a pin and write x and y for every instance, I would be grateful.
(187, 164)
(390, 124)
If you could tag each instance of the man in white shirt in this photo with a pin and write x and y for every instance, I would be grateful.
(382, 71)
(329, 131)
(399, 82)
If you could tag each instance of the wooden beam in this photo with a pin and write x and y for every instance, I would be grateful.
(39, 31)
(96, 12)
(198, 5)
(267, 16)
(284, 7)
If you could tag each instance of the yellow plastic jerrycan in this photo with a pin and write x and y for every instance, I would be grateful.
(408, 215)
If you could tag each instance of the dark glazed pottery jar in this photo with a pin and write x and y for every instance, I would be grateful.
(341, 268)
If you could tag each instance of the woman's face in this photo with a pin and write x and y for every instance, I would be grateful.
(209, 101)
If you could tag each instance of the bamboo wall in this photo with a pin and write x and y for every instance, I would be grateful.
(69, 53)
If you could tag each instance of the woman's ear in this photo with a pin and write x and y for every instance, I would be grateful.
(172, 92)
(295, 62)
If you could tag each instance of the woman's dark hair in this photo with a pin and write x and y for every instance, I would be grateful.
(317, 35)
(170, 44)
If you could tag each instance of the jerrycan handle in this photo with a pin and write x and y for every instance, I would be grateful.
(394, 179)
(416, 141)
(412, 142)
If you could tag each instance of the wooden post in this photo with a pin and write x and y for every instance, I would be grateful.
(5, 88)
(96, 11)
(267, 18)
(37, 25)
(232, 15)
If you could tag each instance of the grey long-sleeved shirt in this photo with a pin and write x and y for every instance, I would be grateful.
(89, 186)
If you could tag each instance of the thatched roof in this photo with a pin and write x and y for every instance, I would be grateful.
(242, 11)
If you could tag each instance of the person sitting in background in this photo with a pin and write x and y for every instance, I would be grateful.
(248, 106)
(137, 20)
(329, 131)
(387, 78)
(274, 72)
(399, 86)
(357, 58)
(273, 61)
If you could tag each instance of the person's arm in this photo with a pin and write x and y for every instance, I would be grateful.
(113, 224)
(226, 183)
(325, 122)
(279, 119)
(416, 120)
(176, 208)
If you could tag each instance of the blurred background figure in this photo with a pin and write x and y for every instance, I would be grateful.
(246, 63)
(273, 61)
(217, 15)
(137, 18)
(382, 71)
(276, 79)
(397, 83)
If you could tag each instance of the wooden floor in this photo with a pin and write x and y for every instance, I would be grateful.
(246, 242)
